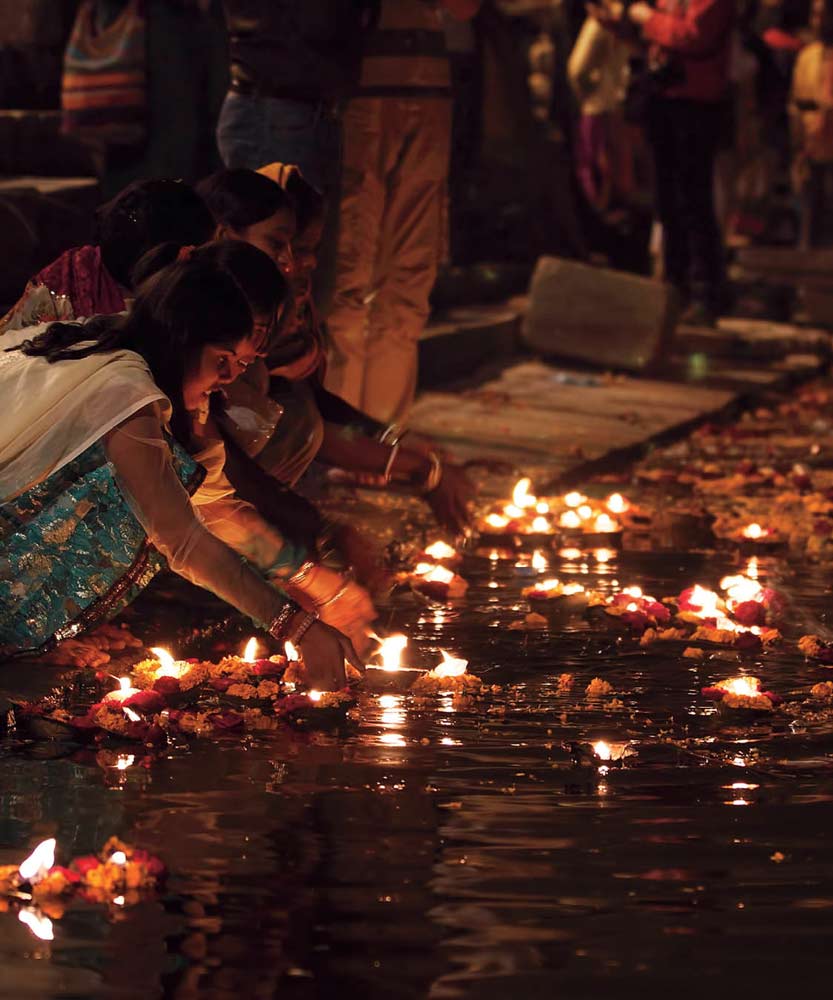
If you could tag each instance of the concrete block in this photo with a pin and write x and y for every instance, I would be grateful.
(608, 318)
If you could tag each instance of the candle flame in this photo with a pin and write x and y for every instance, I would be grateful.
(633, 591)
(548, 585)
(753, 531)
(250, 652)
(497, 521)
(168, 665)
(291, 652)
(605, 523)
(617, 504)
(542, 507)
(35, 867)
(131, 715)
(569, 519)
(38, 924)
(574, 499)
(118, 858)
(513, 512)
(440, 550)
(539, 561)
(124, 761)
(451, 666)
(604, 555)
(390, 650)
(748, 686)
(740, 588)
(541, 525)
(124, 690)
(602, 750)
(314, 695)
(706, 600)
(118, 900)
(521, 497)
(585, 511)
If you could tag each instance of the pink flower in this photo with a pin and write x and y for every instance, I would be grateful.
(147, 702)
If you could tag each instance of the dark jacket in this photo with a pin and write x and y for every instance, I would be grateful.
(308, 48)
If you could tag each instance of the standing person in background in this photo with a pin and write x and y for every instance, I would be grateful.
(293, 64)
(811, 128)
(397, 134)
(689, 46)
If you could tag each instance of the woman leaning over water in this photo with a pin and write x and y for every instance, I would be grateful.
(95, 475)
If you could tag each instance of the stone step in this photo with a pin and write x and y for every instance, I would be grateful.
(459, 341)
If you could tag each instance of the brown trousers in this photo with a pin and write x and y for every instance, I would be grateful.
(391, 232)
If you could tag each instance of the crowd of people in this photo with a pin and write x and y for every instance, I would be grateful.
(169, 387)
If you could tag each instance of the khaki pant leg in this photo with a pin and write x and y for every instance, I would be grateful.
(360, 224)
(409, 253)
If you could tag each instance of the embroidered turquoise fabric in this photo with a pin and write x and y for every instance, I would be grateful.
(72, 553)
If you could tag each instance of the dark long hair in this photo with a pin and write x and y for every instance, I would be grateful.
(181, 306)
(239, 198)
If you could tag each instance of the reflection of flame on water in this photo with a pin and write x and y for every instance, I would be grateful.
(521, 497)
(604, 555)
(390, 650)
(250, 652)
(440, 550)
(451, 666)
(752, 568)
(388, 701)
(169, 667)
(39, 924)
(539, 561)
(36, 866)
(740, 588)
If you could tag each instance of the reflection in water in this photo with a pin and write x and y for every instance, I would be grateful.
(458, 850)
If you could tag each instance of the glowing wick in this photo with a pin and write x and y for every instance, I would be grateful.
(250, 652)
(574, 499)
(604, 555)
(754, 531)
(314, 695)
(123, 691)
(391, 650)
(118, 858)
(450, 667)
(605, 523)
(37, 865)
(168, 665)
(569, 519)
(521, 497)
(440, 550)
(617, 504)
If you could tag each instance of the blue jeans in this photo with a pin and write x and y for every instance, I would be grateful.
(254, 131)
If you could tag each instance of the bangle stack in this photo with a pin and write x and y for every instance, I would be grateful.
(304, 627)
(280, 623)
(435, 473)
(391, 459)
(392, 435)
(301, 573)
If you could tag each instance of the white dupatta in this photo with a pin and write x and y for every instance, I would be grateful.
(51, 413)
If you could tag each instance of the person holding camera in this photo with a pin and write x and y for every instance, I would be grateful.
(683, 92)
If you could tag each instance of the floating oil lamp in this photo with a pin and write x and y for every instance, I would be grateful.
(602, 754)
(532, 565)
(438, 582)
(451, 676)
(556, 599)
(741, 695)
(755, 537)
(124, 691)
(589, 528)
(390, 675)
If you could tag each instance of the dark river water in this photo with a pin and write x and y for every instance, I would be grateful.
(442, 852)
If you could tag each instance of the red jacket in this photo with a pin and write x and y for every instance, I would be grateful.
(699, 33)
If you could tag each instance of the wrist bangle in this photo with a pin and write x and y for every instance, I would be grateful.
(302, 572)
(331, 600)
(435, 473)
(280, 623)
(392, 434)
(391, 459)
(303, 628)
